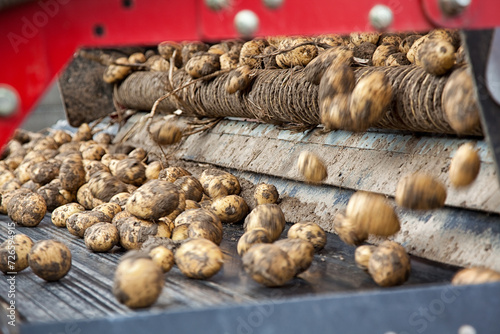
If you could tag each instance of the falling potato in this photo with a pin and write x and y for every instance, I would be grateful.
(464, 166)
(311, 167)
(420, 191)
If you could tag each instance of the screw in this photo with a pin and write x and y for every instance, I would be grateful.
(381, 17)
(217, 4)
(273, 4)
(453, 7)
(9, 102)
(246, 22)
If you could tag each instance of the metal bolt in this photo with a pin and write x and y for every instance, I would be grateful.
(217, 4)
(381, 17)
(246, 22)
(453, 7)
(273, 4)
(9, 102)
(466, 329)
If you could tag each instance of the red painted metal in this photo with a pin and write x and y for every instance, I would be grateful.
(38, 38)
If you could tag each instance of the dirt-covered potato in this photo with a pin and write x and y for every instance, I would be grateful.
(300, 252)
(114, 73)
(420, 191)
(180, 207)
(31, 186)
(407, 43)
(228, 181)
(153, 200)
(298, 56)
(85, 198)
(362, 255)
(269, 265)
(251, 49)
(93, 167)
(190, 205)
(131, 171)
(189, 49)
(138, 281)
(163, 257)
(45, 171)
(199, 258)
(79, 222)
(460, 102)
(22, 172)
(153, 170)
(138, 153)
(157, 64)
(364, 52)
(413, 50)
(53, 195)
(475, 275)
(330, 39)
(109, 209)
(134, 231)
(360, 37)
(248, 239)
(348, 231)
(230, 209)
(389, 264)
(265, 194)
(450, 35)
(397, 59)
(371, 213)
(5, 198)
(50, 260)
(229, 60)
(101, 237)
(311, 167)
(103, 138)
(118, 218)
(167, 133)
(93, 152)
(268, 216)
(26, 209)
(108, 157)
(464, 166)
(191, 187)
(104, 185)
(62, 213)
(11, 185)
(167, 50)
(14, 253)
(171, 174)
(121, 199)
(436, 56)
(382, 53)
(206, 230)
(180, 232)
(238, 79)
(72, 174)
(203, 64)
(137, 58)
(309, 231)
(188, 217)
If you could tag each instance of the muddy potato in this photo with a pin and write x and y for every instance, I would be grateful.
(72, 146)
(205, 230)
(115, 73)
(360, 37)
(309, 231)
(265, 194)
(131, 171)
(84, 197)
(22, 172)
(189, 49)
(371, 213)
(248, 239)
(50, 260)
(229, 181)
(230, 209)
(104, 185)
(330, 39)
(31, 186)
(45, 143)
(413, 51)
(6, 176)
(180, 232)
(364, 52)
(229, 60)
(120, 199)
(167, 50)
(108, 157)
(190, 205)
(118, 219)
(449, 35)
(362, 255)
(420, 192)
(267, 216)
(180, 207)
(397, 59)
(464, 166)
(201, 215)
(26, 209)
(45, 171)
(93, 167)
(436, 56)
(5, 198)
(171, 174)
(203, 64)
(11, 185)
(62, 213)
(83, 133)
(475, 275)
(191, 187)
(101, 237)
(299, 251)
(311, 167)
(163, 257)
(72, 174)
(459, 101)
(109, 209)
(382, 53)
(407, 43)
(136, 58)
(79, 222)
(134, 231)
(390, 38)
(103, 138)
(389, 264)
(199, 258)
(251, 49)
(269, 265)
(138, 153)
(238, 79)
(153, 200)
(349, 232)
(93, 152)
(299, 56)
(14, 253)
(138, 281)
(153, 170)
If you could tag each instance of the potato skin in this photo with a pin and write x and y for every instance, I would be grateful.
(62, 213)
(171, 174)
(203, 64)
(101, 237)
(120, 199)
(79, 222)
(420, 192)
(180, 232)
(238, 80)
(311, 167)
(50, 260)
(104, 185)
(299, 56)
(268, 264)
(348, 231)
(265, 194)
(19, 247)
(475, 275)
(131, 171)
(45, 171)
(267, 216)
(72, 174)
(464, 166)
(192, 188)
(138, 281)
(436, 56)
(309, 231)
(230, 209)
(199, 258)
(27, 209)
(248, 239)
(153, 200)
(168, 133)
(389, 264)
(153, 170)
(134, 231)
(362, 256)
(228, 181)
(300, 252)
(163, 257)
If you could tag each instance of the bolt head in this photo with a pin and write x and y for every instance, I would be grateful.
(273, 4)
(453, 7)
(246, 22)
(381, 17)
(217, 4)
(9, 101)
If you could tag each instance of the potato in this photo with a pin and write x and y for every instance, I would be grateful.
(389, 264)
(93, 167)
(72, 146)
(228, 180)
(86, 144)
(311, 167)
(180, 207)
(120, 199)
(26, 209)
(72, 174)
(108, 157)
(134, 231)
(206, 230)
(22, 172)
(118, 219)
(136, 58)
(464, 166)
(153, 200)
(360, 37)
(5, 198)
(138, 153)
(265, 194)
(436, 56)
(309, 231)
(50, 260)
(203, 64)
(45, 171)
(413, 51)
(171, 174)
(365, 52)
(334, 106)
(51, 193)
(109, 209)
(475, 275)
(44, 143)
(299, 56)
(84, 197)
(407, 43)
(180, 232)
(199, 258)
(190, 205)
(267, 216)
(397, 59)
(300, 252)
(230, 209)
(168, 133)
(249, 50)
(31, 186)
(269, 265)
(11, 185)
(390, 38)
(229, 60)
(330, 39)
(248, 239)
(202, 215)
(189, 49)
(103, 186)
(115, 73)
(167, 49)
(93, 152)
(101, 237)
(238, 79)
(62, 213)
(362, 256)
(451, 36)
(138, 281)
(163, 257)
(371, 213)
(14, 253)
(191, 187)
(131, 171)
(382, 53)
(153, 170)
(79, 222)
(348, 231)
(103, 138)
(420, 192)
